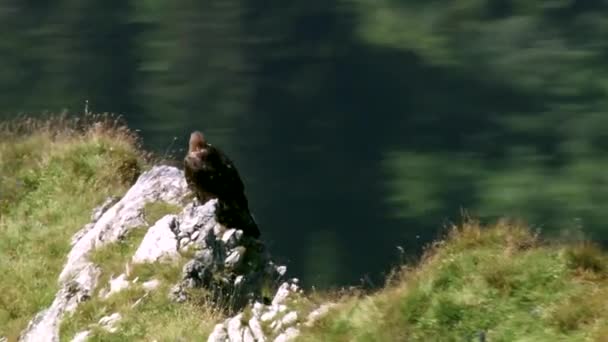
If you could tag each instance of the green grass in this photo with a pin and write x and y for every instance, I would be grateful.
(500, 280)
(154, 211)
(155, 316)
(113, 258)
(44, 166)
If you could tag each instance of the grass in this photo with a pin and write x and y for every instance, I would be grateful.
(44, 165)
(155, 316)
(500, 280)
(154, 211)
(113, 258)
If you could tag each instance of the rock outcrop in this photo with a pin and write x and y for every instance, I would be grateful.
(235, 269)
(110, 222)
(277, 321)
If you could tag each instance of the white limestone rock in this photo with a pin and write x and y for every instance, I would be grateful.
(195, 225)
(256, 330)
(234, 328)
(110, 323)
(276, 326)
(151, 284)
(218, 334)
(110, 222)
(159, 243)
(289, 334)
(282, 294)
(257, 309)
(161, 183)
(318, 313)
(228, 234)
(95, 216)
(269, 315)
(197, 218)
(82, 336)
(290, 319)
(282, 270)
(236, 256)
(116, 285)
(45, 326)
(282, 320)
(247, 335)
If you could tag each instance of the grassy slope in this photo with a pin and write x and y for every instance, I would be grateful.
(52, 173)
(500, 280)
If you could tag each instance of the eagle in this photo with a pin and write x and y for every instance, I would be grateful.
(211, 174)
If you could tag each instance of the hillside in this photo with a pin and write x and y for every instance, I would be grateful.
(52, 174)
(501, 282)
(498, 282)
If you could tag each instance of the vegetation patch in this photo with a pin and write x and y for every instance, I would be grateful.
(147, 315)
(113, 258)
(156, 317)
(44, 165)
(498, 281)
(587, 258)
(154, 211)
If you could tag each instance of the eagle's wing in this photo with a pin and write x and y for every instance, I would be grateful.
(229, 179)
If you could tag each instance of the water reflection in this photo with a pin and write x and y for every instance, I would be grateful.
(357, 125)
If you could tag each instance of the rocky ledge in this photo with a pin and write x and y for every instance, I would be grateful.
(235, 269)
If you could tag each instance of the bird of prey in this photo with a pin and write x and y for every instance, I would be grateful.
(211, 174)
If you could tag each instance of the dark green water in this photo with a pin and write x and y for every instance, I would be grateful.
(357, 125)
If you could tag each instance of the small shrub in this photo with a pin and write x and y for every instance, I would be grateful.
(587, 257)
(579, 310)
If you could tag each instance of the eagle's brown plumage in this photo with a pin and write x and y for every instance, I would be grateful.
(211, 174)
